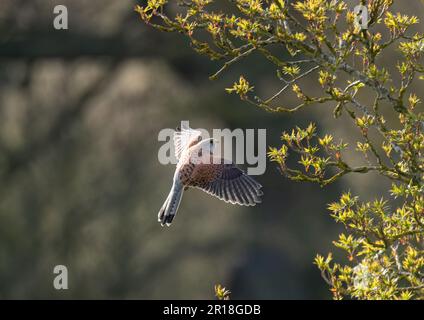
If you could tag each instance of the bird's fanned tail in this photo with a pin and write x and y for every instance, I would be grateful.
(162, 210)
(170, 207)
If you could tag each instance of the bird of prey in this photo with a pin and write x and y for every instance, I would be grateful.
(198, 168)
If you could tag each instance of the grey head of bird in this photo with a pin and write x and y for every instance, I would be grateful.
(204, 149)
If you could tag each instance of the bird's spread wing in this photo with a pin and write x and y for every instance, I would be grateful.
(227, 182)
(184, 138)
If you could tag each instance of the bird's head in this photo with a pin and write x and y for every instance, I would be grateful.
(204, 151)
(208, 145)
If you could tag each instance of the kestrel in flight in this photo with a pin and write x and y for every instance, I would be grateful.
(198, 168)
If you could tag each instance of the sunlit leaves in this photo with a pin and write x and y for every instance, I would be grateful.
(365, 121)
(221, 292)
(326, 140)
(378, 74)
(412, 49)
(363, 147)
(250, 7)
(275, 12)
(291, 70)
(381, 236)
(398, 23)
(326, 79)
(241, 87)
(278, 155)
(150, 9)
(413, 101)
(245, 29)
(313, 10)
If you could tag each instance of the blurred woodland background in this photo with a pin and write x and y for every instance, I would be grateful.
(80, 183)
